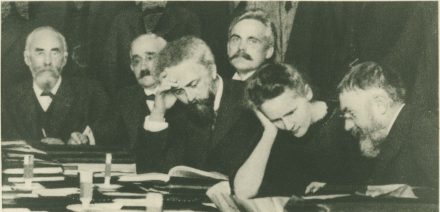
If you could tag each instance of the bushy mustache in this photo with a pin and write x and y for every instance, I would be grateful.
(241, 54)
(144, 73)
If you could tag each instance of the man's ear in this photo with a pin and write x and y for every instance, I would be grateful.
(26, 58)
(65, 55)
(269, 52)
(308, 92)
(214, 72)
(381, 103)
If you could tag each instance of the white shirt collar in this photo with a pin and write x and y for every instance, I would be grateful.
(150, 91)
(219, 93)
(242, 77)
(394, 119)
(54, 90)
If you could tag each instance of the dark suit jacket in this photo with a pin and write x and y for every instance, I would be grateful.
(174, 23)
(185, 142)
(77, 103)
(126, 117)
(410, 152)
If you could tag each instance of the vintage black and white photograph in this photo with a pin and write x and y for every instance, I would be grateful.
(231, 106)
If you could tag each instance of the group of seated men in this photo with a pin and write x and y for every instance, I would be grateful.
(263, 128)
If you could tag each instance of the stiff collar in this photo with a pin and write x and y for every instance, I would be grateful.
(394, 118)
(54, 90)
(243, 77)
(219, 92)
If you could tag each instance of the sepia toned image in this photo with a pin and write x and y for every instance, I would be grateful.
(219, 106)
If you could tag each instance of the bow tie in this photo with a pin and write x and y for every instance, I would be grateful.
(150, 97)
(47, 93)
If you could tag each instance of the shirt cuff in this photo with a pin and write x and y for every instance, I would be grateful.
(154, 126)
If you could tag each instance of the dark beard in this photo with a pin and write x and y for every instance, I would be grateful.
(202, 112)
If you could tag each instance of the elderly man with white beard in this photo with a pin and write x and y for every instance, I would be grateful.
(50, 108)
(400, 139)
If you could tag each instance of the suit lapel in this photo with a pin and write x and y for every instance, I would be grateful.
(138, 109)
(228, 113)
(61, 105)
(27, 110)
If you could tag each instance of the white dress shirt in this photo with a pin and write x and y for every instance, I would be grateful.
(45, 101)
(242, 77)
(148, 92)
(394, 118)
(156, 126)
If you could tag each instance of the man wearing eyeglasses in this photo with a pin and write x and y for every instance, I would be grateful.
(134, 102)
(195, 113)
(251, 43)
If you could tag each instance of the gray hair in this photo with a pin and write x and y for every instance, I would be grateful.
(369, 75)
(149, 37)
(261, 16)
(31, 36)
(183, 49)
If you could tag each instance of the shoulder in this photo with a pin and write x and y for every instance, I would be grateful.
(133, 91)
(83, 85)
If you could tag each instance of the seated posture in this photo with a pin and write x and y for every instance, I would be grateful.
(195, 111)
(303, 139)
(135, 102)
(401, 141)
(52, 109)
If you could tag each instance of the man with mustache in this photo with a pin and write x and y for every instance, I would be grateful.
(401, 140)
(50, 108)
(134, 102)
(194, 115)
(251, 43)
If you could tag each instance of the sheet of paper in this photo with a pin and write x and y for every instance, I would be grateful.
(324, 197)
(56, 192)
(145, 177)
(36, 179)
(42, 170)
(123, 194)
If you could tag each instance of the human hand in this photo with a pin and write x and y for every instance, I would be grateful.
(164, 99)
(267, 124)
(52, 141)
(314, 187)
(77, 138)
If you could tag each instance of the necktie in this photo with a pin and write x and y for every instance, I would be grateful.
(288, 6)
(47, 93)
(150, 97)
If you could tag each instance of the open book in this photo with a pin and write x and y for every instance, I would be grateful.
(177, 171)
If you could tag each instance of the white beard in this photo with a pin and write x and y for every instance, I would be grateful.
(369, 148)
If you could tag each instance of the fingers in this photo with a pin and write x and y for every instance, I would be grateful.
(52, 141)
(314, 187)
(77, 138)
(166, 85)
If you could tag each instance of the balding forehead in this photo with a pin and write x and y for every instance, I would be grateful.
(46, 37)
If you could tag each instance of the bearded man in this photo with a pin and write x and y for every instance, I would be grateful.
(195, 113)
(50, 108)
(402, 142)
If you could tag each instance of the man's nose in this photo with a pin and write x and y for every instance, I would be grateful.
(349, 124)
(242, 45)
(189, 95)
(144, 65)
(48, 60)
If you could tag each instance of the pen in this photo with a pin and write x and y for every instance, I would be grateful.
(44, 132)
